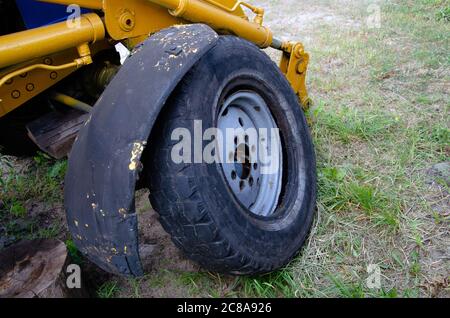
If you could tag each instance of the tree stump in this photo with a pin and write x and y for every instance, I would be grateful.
(36, 269)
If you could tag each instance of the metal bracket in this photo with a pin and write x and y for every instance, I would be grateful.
(294, 64)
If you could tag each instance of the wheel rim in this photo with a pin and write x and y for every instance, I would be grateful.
(250, 152)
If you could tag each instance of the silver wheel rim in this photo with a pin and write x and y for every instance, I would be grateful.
(250, 152)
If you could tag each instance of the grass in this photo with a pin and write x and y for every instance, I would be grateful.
(108, 290)
(279, 284)
(75, 255)
(380, 122)
(344, 188)
(352, 125)
(39, 180)
(375, 137)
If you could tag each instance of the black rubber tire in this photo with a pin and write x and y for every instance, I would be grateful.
(194, 202)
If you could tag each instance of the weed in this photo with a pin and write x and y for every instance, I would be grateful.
(279, 284)
(74, 254)
(108, 290)
(444, 14)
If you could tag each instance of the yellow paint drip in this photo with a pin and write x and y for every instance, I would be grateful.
(123, 212)
(136, 152)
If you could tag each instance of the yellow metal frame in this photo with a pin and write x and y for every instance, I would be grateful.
(201, 11)
(26, 45)
(294, 64)
(25, 70)
(24, 81)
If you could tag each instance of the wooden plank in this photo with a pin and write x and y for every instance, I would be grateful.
(37, 269)
(55, 132)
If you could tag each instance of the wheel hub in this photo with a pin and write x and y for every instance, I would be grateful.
(248, 129)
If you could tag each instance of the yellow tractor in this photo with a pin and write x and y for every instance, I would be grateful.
(197, 113)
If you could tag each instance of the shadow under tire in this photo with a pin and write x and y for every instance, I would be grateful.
(196, 202)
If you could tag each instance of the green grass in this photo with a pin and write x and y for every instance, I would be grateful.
(195, 281)
(75, 255)
(350, 125)
(40, 180)
(375, 140)
(278, 284)
(108, 290)
(380, 122)
(343, 189)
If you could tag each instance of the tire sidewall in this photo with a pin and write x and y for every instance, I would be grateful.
(256, 236)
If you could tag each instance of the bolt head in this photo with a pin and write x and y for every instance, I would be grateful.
(30, 87)
(15, 94)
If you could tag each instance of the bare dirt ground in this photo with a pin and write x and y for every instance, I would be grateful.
(381, 132)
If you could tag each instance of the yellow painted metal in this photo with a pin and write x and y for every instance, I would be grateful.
(30, 68)
(222, 21)
(22, 88)
(26, 45)
(258, 11)
(232, 6)
(71, 102)
(132, 19)
(84, 59)
(24, 72)
(294, 64)
(41, 74)
(126, 19)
